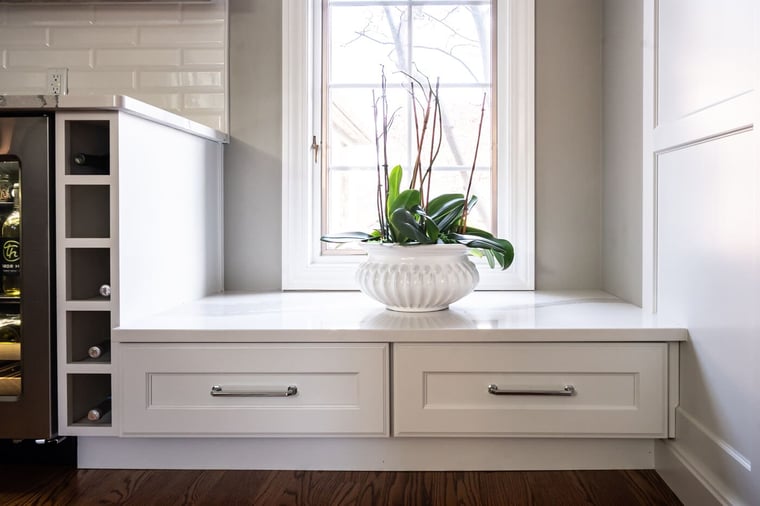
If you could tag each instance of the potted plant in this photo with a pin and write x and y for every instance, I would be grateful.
(418, 253)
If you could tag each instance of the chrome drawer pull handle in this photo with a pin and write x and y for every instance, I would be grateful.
(235, 391)
(565, 390)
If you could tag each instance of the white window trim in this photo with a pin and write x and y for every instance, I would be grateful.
(303, 268)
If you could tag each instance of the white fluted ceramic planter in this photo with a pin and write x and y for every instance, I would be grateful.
(417, 278)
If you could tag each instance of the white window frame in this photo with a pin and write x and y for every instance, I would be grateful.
(303, 266)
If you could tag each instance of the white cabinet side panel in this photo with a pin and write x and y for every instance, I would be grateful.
(169, 217)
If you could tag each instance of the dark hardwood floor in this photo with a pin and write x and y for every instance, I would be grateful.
(57, 485)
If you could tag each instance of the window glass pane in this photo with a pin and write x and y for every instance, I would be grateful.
(454, 40)
(445, 40)
(351, 130)
(362, 39)
(352, 197)
(461, 109)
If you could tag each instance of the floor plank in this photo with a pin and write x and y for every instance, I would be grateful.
(62, 486)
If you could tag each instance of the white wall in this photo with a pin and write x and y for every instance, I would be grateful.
(701, 188)
(170, 55)
(622, 149)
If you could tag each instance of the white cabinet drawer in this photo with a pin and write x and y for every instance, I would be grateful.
(620, 389)
(340, 390)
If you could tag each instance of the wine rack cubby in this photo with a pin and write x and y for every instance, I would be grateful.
(88, 271)
(89, 138)
(87, 211)
(84, 330)
(84, 393)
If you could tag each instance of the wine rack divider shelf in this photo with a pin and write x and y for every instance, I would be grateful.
(142, 174)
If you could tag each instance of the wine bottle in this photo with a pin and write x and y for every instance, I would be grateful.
(99, 163)
(11, 247)
(99, 349)
(10, 328)
(98, 412)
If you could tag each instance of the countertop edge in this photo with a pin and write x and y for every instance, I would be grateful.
(110, 103)
(581, 316)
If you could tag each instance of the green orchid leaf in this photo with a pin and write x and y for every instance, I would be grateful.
(346, 237)
(407, 227)
(450, 220)
(407, 199)
(442, 204)
(432, 230)
(489, 254)
(502, 249)
(394, 184)
(478, 232)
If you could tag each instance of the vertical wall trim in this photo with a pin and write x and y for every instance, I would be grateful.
(649, 104)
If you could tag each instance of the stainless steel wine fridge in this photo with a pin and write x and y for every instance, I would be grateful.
(27, 340)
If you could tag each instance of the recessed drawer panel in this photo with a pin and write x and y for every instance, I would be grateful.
(254, 389)
(530, 389)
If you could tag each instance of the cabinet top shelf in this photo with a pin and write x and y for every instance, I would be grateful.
(352, 317)
(109, 103)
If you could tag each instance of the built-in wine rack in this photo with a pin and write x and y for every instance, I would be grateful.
(87, 268)
(138, 206)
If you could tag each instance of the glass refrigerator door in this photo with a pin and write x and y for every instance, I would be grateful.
(26, 399)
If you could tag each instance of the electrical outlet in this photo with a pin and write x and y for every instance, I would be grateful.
(58, 81)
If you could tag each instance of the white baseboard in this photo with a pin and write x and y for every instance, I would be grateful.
(400, 454)
(681, 477)
(703, 469)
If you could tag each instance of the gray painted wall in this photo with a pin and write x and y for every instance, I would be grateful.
(568, 146)
(253, 159)
(622, 181)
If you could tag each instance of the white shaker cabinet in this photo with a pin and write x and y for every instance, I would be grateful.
(335, 381)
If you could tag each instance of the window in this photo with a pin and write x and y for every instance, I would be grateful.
(437, 38)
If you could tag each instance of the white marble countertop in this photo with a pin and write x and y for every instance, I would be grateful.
(352, 316)
(110, 103)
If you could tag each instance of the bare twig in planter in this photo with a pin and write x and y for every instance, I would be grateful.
(380, 192)
(472, 170)
(434, 148)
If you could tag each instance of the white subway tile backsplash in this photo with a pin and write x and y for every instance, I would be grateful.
(103, 82)
(20, 83)
(50, 15)
(207, 80)
(172, 56)
(140, 14)
(92, 36)
(46, 58)
(202, 79)
(14, 36)
(159, 79)
(204, 101)
(203, 57)
(134, 58)
(186, 35)
(203, 13)
(169, 101)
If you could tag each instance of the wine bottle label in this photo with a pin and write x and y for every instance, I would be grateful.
(11, 256)
(5, 191)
